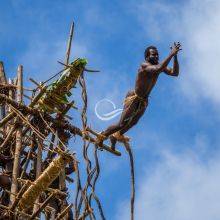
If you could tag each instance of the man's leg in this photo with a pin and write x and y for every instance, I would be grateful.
(130, 123)
(114, 129)
(125, 116)
(129, 107)
(134, 120)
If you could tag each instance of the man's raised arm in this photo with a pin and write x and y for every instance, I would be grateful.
(162, 67)
(175, 70)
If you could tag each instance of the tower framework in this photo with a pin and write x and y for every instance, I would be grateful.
(35, 159)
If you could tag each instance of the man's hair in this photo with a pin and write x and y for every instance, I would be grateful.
(147, 51)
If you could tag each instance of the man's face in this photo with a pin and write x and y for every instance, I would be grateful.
(153, 56)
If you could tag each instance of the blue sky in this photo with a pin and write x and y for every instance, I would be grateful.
(176, 142)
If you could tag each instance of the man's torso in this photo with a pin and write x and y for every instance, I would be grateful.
(145, 82)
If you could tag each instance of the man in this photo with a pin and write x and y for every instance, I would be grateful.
(136, 101)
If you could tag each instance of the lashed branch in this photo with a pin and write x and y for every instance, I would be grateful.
(42, 206)
(34, 101)
(64, 212)
(57, 123)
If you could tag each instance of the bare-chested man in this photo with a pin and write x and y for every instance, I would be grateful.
(136, 101)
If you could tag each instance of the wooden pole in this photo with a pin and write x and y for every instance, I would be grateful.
(53, 214)
(16, 167)
(69, 44)
(62, 215)
(62, 177)
(20, 84)
(21, 192)
(3, 80)
(28, 156)
(11, 96)
(38, 169)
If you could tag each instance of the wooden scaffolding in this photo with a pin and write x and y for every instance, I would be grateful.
(35, 159)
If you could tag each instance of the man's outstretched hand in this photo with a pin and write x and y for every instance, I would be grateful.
(175, 48)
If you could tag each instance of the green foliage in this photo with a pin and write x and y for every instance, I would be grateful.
(56, 96)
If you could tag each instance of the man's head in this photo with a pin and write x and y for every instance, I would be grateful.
(151, 55)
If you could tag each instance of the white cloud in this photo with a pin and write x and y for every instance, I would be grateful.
(149, 15)
(196, 24)
(180, 187)
(201, 35)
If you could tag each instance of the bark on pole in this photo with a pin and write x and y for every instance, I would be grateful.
(38, 169)
(11, 96)
(10, 93)
(15, 173)
(68, 50)
(3, 80)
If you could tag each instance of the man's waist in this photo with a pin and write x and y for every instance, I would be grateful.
(133, 95)
(141, 97)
